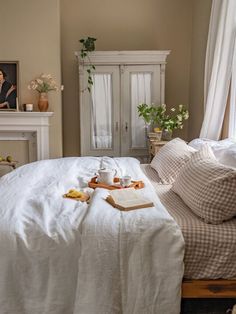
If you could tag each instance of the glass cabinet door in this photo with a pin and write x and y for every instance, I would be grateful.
(142, 85)
(100, 113)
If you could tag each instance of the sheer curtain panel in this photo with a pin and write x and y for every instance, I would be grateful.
(140, 93)
(101, 111)
(221, 40)
(232, 116)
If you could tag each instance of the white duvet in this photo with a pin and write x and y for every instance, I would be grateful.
(60, 256)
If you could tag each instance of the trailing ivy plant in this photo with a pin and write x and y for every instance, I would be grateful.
(88, 45)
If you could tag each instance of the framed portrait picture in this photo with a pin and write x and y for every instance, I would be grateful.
(9, 85)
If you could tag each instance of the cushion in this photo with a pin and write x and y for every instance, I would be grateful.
(207, 187)
(218, 147)
(170, 159)
(228, 156)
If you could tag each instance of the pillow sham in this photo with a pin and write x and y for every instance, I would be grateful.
(228, 157)
(218, 147)
(207, 187)
(170, 159)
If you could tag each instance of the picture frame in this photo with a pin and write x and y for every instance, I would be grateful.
(9, 85)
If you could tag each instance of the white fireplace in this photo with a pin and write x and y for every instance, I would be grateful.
(27, 126)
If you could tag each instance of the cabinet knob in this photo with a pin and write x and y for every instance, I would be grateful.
(126, 126)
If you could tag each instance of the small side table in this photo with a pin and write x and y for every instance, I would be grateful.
(154, 147)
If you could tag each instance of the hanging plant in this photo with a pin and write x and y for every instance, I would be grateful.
(88, 45)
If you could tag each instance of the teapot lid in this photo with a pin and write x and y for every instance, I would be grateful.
(105, 170)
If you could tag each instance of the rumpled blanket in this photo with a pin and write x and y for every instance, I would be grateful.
(60, 256)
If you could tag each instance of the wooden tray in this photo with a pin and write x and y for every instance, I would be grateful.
(134, 184)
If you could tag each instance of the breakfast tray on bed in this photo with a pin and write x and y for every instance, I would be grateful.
(134, 184)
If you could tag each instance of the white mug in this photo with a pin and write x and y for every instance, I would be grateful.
(106, 176)
(125, 181)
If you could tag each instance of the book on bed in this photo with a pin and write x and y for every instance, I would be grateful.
(128, 199)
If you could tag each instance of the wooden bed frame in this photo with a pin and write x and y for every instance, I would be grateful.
(221, 288)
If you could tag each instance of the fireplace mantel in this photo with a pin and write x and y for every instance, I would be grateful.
(19, 125)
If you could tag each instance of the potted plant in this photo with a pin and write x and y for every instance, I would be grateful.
(174, 120)
(151, 115)
(43, 84)
(158, 117)
(88, 45)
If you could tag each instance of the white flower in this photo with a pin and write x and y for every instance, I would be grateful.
(179, 117)
(39, 81)
(163, 106)
(43, 83)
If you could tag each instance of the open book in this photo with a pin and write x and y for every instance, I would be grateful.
(128, 199)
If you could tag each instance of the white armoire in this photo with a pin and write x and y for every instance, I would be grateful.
(109, 122)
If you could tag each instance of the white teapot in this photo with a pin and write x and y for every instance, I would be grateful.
(106, 176)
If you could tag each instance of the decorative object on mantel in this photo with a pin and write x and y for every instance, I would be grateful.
(88, 45)
(43, 102)
(9, 91)
(165, 123)
(8, 161)
(43, 84)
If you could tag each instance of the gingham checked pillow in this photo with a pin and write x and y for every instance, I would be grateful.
(207, 187)
(170, 159)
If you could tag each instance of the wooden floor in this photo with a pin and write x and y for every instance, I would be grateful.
(206, 306)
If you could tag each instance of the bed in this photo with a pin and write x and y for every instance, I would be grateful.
(60, 256)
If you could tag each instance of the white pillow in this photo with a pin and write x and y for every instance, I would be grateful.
(218, 147)
(170, 159)
(207, 187)
(228, 157)
(197, 143)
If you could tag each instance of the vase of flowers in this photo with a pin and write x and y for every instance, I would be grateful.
(165, 122)
(43, 84)
(43, 102)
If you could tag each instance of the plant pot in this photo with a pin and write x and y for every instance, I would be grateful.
(43, 102)
(167, 135)
(158, 135)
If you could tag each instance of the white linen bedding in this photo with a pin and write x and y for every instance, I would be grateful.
(60, 256)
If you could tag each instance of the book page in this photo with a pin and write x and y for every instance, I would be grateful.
(128, 197)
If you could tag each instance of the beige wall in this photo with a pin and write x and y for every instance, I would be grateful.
(124, 25)
(30, 33)
(201, 18)
(33, 38)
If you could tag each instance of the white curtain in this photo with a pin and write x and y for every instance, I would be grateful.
(211, 43)
(101, 111)
(232, 116)
(140, 93)
(218, 73)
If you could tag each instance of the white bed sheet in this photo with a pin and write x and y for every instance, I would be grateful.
(60, 256)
